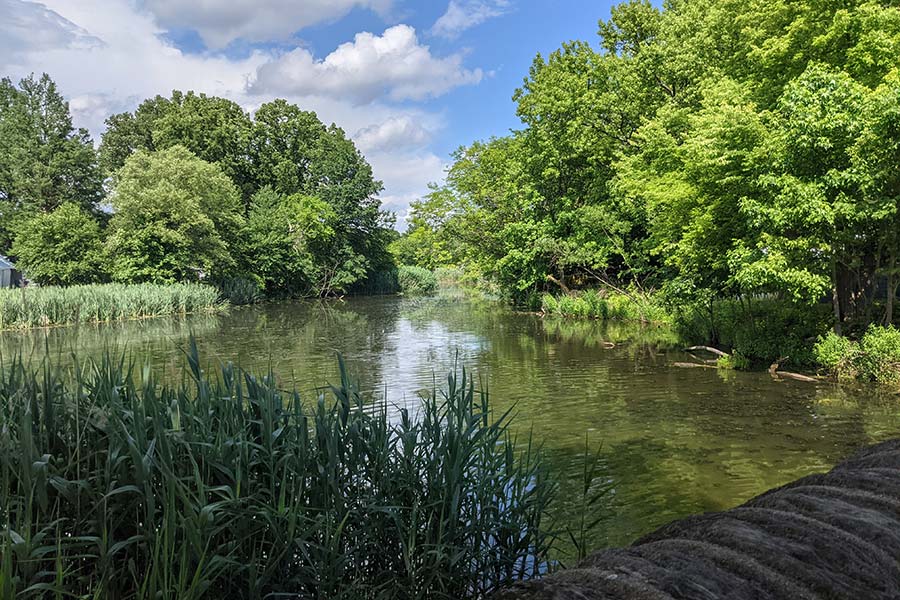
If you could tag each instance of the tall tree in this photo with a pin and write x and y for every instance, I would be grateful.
(176, 218)
(44, 161)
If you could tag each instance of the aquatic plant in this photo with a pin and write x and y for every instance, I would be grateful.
(115, 485)
(416, 281)
(605, 305)
(44, 306)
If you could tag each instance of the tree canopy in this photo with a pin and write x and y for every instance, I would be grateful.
(710, 149)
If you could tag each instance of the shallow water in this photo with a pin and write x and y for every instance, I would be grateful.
(674, 441)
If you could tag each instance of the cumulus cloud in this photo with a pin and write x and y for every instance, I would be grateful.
(393, 64)
(31, 25)
(464, 14)
(219, 22)
(397, 132)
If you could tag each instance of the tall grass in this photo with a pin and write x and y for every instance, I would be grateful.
(227, 487)
(44, 306)
(605, 305)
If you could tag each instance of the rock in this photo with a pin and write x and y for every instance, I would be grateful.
(832, 536)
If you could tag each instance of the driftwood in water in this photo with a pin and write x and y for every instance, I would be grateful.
(774, 372)
(834, 535)
(689, 365)
(709, 349)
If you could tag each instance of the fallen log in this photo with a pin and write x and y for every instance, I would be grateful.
(689, 365)
(776, 374)
(834, 535)
(709, 349)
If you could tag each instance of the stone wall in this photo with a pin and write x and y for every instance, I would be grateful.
(828, 536)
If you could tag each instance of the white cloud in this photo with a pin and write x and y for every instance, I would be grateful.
(464, 14)
(412, 172)
(32, 25)
(220, 22)
(396, 132)
(107, 57)
(394, 64)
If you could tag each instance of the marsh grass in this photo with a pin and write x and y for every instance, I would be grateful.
(225, 485)
(605, 305)
(47, 306)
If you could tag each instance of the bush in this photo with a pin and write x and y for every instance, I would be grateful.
(876, 357)
(63, 247)
(227, 486)
(837, 355)
(762, 331)
(416, 281)
(879, 355)
(44, 306)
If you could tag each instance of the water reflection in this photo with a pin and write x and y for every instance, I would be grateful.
(676, 441)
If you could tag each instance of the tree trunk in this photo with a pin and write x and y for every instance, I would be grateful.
(559, 282)
(890, 292)
(835, 296)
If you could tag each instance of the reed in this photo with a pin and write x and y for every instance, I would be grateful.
(605, 305)
(114, 485)
(46, 306)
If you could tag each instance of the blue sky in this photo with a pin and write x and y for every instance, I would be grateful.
(408, 81)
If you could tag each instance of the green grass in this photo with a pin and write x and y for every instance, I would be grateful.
(114, 485)
(46, 306)
(605, 305)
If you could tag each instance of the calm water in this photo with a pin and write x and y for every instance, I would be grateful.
(675, 441)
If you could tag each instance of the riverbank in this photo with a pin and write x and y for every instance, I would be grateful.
(51, 306)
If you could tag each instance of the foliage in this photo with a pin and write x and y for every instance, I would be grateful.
(837, 355)
(416, 281)
(715, 151)
(177, 218)
(44, 306)
(295, 246)
(62, 247)
(281, 153)
(44, 161)
(608, 304)
(241, 290)
(875, 357)
(228, 486)
(758, 330)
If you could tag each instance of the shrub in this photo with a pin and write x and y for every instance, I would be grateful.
(876, 357)
(63, 247)
(227, 486)
(837, 355)
(762, 331)
(879, 355)
(416, 281)
(44, 306)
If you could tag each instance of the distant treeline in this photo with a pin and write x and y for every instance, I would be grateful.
(186, 188)
(708, 151)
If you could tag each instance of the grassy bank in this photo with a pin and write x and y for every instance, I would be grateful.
(605, 305)
(226, 486)
(46, 306)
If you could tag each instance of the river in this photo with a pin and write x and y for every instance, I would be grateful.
(674, 441)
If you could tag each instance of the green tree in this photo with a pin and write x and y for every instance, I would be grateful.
(215, 129)
(44, 161)
(295, 248)
(62, 247)
(176, 218)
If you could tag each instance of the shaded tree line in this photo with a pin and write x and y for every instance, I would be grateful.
(707, 151)
(185, 188)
